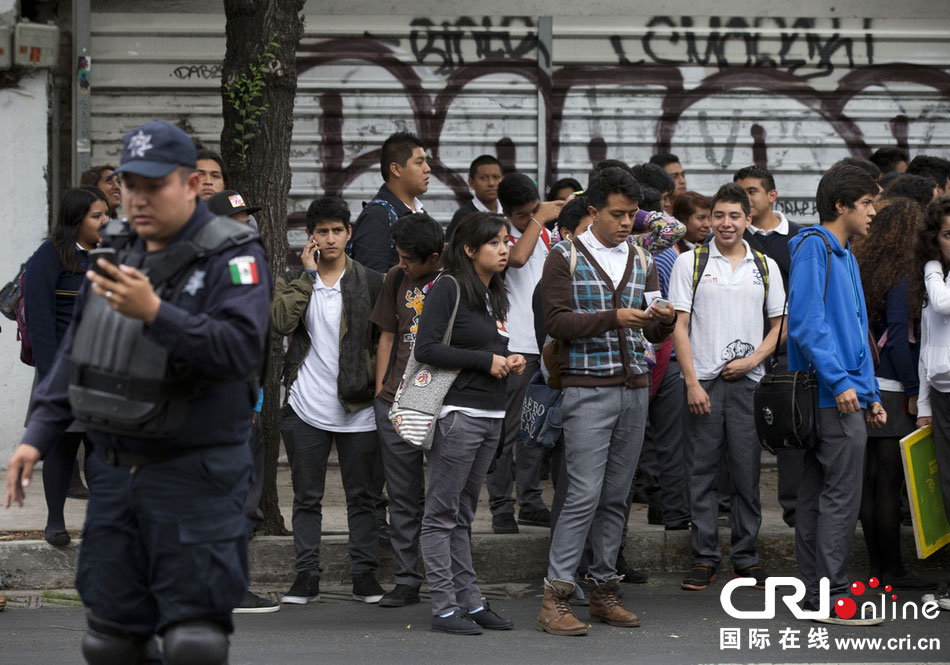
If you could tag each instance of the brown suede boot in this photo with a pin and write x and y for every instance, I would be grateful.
(605, 604)
(556, 615)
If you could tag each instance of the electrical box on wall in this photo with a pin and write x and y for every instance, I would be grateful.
(35, 45)
(6, 52)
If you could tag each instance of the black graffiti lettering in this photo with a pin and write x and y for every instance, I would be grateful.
(801, 208)
(800, 45)
(188, 72)
(648, 39)
(441, 45)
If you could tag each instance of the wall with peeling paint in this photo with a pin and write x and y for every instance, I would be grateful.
(23, 122)
(794, 91)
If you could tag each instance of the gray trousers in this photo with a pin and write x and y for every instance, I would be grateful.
(603, 434)
(829, 500)
(940, 406)
(405, 482)
(461, 452)
(727, 434)
(664, 435)
(307, 450)
(516, 464)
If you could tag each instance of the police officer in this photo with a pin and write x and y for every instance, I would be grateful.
(160, 363)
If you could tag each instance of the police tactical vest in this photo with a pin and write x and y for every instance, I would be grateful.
(119, 380)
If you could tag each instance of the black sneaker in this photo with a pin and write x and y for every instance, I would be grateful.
(400, 596)
(535, 517)
(755, 571)
(699, 577)
(489, 620)
(630, 576)
(305, 589)
(366, 589)
(253, 604)
(504, 523)
(457, 623)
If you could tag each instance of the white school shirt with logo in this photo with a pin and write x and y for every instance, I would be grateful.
(313, 395)
(520, 284)
(726, 320)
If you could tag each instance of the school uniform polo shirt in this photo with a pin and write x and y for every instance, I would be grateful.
(520, 283)
(726, 318)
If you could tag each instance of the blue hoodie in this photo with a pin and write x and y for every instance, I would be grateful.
(830, 337)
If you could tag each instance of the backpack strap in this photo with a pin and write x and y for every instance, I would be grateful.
(390, 208)
(824, 294)
(700, 260)
(763, 266)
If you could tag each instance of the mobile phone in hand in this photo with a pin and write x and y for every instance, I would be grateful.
(107, 253)
(659, 303)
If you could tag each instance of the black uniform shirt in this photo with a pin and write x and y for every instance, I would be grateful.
(217, 326)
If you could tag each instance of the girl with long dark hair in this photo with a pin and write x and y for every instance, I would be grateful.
(470, 423)
(933, 287)
(885, 257)
(50, 286)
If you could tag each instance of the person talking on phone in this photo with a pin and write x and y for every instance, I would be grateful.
(330, 375)
(722, 290)
(161, 365)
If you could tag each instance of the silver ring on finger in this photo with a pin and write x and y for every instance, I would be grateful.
(108, 295)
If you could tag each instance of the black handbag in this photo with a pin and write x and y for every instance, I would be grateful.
(785, 404)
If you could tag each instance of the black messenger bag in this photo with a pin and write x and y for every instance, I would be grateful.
(785, 404)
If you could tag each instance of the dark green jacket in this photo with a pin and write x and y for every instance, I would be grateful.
(360, 286)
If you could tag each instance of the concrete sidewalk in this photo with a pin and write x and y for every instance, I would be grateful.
(33, 564)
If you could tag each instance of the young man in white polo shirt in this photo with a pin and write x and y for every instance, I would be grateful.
(329, 374)
(720, 347)
(531, 242)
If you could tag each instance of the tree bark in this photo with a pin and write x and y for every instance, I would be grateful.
(264, 178)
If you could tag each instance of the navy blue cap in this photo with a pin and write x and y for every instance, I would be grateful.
(155, 149)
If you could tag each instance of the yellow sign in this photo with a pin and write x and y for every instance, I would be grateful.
(928, 514)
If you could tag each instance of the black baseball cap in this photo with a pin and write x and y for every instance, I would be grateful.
(228, 202)
(155, 149)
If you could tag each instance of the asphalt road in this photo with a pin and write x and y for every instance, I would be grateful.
(677, 627)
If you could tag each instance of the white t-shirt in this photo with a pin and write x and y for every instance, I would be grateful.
(520, 284)
(612, 259)
(726, 320)
(313, 395)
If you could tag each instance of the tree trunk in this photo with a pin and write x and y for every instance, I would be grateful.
(262, 173)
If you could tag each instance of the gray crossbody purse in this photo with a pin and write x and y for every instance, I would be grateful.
(419, 398)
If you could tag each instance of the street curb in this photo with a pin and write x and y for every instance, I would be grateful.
(33, 564)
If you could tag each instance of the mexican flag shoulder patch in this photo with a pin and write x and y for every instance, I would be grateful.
(243, 270)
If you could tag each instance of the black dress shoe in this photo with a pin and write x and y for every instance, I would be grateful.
(57, 537)
(535, 517)
(489, 620)
(630, 576)
(457, 623)
(679, 526)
